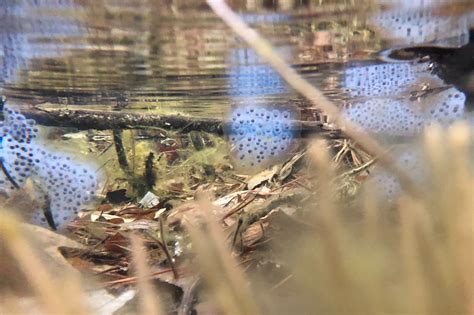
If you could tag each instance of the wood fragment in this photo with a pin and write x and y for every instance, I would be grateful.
(82, 119)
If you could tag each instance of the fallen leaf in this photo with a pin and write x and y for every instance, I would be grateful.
(263, 176)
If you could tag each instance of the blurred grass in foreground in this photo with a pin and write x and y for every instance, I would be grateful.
(412, 258)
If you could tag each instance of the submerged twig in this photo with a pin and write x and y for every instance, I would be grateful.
(316, 97)
(47, 212)
(150, 303)
(165, 248)
(109, 120)
(189, 296)
(120, 150)
(359, 169)
(7, 175)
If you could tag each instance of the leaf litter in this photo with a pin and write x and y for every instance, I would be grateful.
(249, 208)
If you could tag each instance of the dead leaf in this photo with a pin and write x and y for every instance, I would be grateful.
(263, 176)
(49, 243)
(104, 303)
(288, 167)
(116, 243)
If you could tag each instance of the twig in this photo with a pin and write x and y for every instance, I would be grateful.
(359, 169)
(7, 175)
(133, 279)
(187, 302)
(165, 248)
(241, 205)
(267, 52)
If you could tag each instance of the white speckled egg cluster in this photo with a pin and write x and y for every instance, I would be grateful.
(390, 111)
(396, 117)
(250, 77)
(381, 79)
(260, 135)
(421, 25)
(63, 184)
(387, 185)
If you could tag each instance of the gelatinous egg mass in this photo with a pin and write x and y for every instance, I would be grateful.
(260, 136)
(396, 117)
(411, 23)
(16, 125)
(384, 105)
(68, 185)
(16, 135)
(381, 79)
(17, 163)
(249, 76)
(62, 184)
(387, 185)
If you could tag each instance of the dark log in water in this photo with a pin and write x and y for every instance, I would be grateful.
(107, 120)
(110, 120)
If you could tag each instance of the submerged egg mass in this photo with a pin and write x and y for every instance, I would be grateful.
(387, 186)
(412, 22)
(391, 111)
(62, 184)
(68, 185)
(260, 135)
(381, 79)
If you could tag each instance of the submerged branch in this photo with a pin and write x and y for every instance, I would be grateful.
(110, 120)
(7, 174)
(267, 52)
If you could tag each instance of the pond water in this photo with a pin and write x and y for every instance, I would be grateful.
(168, 57)
(179, 57)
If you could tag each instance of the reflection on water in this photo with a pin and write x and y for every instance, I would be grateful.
(248, 76)
(160, 55)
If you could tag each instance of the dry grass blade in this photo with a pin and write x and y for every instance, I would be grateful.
(266, 51)
(149, 302)
(51, 295)
(219, 271)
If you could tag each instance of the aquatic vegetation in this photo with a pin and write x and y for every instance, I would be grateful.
(62, 184)
(260, 136)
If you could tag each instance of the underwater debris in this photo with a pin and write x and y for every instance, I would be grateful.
(62, 184)
(261, 135)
